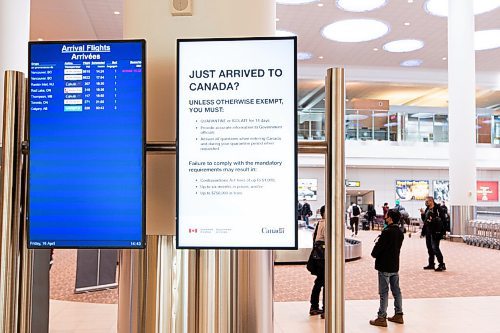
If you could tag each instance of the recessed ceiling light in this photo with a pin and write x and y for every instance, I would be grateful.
(360, 5)
(440, 7)
(407, 23)
(486, 39)
(277, 19)
(375, 49)
(403, 45)
(294, 2)
(320, 57)
(320, 5)
(116, 13)
(351, 31)
(444, 58)
(411, 63)
(39, 39)
(284, 33)
(304, 56)
(410, 1)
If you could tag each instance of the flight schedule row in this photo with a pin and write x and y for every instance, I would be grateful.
(77, 87)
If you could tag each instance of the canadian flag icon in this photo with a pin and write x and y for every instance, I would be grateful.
(193, 230)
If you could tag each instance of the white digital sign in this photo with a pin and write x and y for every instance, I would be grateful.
(236, 132)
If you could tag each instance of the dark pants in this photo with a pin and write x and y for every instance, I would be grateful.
(318, 284)
(432, 242)
(354, 224)
(371, 220)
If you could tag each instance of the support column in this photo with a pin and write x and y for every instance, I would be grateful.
(14, 37)
(461, 113)
(202, 297)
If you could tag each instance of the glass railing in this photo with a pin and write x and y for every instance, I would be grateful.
(376, 125)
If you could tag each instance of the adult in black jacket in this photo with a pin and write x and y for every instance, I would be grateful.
(433, 230)
(386, 253)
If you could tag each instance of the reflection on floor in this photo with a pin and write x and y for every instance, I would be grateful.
(457, 315)
(77, 317)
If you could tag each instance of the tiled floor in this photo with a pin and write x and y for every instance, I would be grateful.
(78, 317)
(441, 315)
(472, 271)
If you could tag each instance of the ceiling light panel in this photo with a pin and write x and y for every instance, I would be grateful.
(352, 31)
(411, 63)
(440, 7)
(403, 45)
(360, 5)
(486, 39)
(304, 56)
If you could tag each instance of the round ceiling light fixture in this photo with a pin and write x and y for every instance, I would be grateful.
(411, 63)
(403, 45)
(360, 5)
(486, 39)
(353, 31)
(284, 33)
(295, 2)
(304, 55)
(440, 7)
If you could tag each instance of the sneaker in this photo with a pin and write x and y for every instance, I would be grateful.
(315, 312)
(397, 318)
(429, 267)
(440, 268)
(379, 322)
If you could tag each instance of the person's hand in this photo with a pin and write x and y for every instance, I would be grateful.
(421, 210)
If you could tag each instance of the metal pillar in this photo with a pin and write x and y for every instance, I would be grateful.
(12, 163)
(335, 194)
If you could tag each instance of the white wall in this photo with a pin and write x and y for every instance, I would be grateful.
(383, 182)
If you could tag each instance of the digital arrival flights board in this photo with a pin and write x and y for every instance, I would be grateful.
(86, 144)
(237, 140)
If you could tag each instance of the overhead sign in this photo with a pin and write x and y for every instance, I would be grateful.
(352, 183)
(86, 144)
(487, 191)
(236, 127)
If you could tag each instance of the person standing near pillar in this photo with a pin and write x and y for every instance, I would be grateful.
(386, 253)
(433, 230)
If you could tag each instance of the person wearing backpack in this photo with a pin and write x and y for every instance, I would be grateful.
(386, 252)
(316, 265)
(433, 230)
(354, 213)
(306, 213)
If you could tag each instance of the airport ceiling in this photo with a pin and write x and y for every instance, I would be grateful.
(407, 19)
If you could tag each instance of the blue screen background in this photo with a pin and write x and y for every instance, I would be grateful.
(86, 167)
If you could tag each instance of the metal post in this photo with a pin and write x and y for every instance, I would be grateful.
(12, 160)
(335, 193)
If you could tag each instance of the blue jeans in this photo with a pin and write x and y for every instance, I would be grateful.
(384, 280)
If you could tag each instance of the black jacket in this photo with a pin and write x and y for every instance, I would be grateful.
(433, 220)
(386, 250)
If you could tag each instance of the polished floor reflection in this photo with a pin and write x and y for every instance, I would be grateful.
(436, 315)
